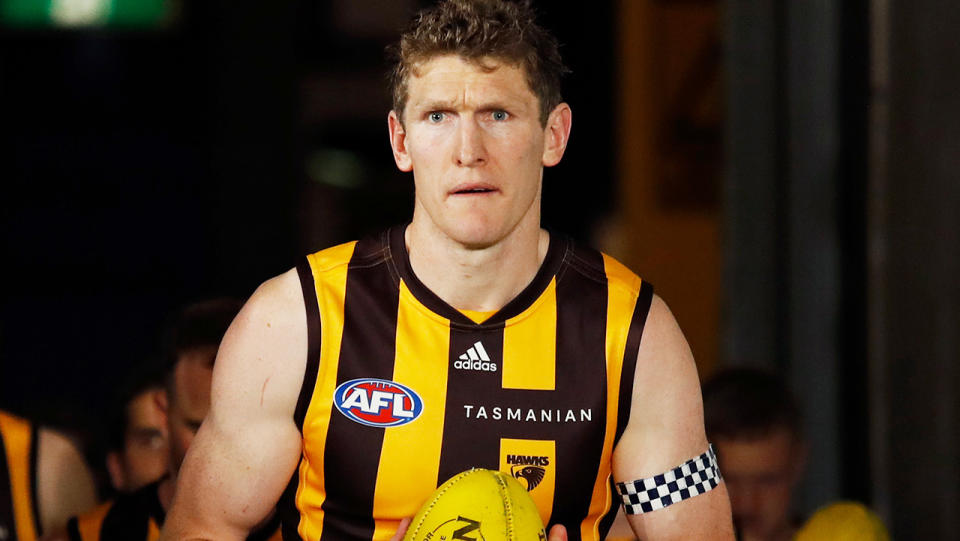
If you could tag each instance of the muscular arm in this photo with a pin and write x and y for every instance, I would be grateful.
(65, 485)
(666, 429)
(248, 446)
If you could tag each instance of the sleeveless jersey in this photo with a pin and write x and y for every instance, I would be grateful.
(402, 391)
(138, 516)
(19, 514)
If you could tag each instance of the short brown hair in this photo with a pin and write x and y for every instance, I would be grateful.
(198, 325)
(748, 403)
(476, 29)
(195, 326)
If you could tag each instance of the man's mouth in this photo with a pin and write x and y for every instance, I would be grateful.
(471, 189)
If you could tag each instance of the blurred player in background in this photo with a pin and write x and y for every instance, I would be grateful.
(43, 480)
(356, 383)
(753, 420)
(138, 452)
(192, 343)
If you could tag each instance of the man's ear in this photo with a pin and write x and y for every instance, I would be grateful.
(398, 141)
(160, 399)
(115, 468)
(557, 134)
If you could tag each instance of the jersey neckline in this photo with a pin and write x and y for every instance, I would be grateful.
(548, 269)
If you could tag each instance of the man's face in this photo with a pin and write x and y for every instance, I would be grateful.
(473, 139)
(189, 400)
(761, 474)
(145, 453)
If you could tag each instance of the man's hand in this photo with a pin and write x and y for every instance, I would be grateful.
(402, 529)
(558, 533)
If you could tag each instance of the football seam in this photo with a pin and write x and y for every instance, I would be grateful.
(433, 502)
(507, 507)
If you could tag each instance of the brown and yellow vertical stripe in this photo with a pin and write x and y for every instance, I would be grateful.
(410, 456)
(323, 278)
(581, 346)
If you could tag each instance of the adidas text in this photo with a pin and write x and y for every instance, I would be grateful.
(476, 365)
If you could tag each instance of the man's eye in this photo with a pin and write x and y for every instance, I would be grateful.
(436, 116)
(500, 115)
(156, 441)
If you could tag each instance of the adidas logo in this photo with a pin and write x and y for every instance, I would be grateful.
(476, 358)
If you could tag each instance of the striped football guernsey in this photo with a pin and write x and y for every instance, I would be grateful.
(402, 391)
(138, 516)
(19, 515)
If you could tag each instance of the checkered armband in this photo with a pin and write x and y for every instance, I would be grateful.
(692, 478)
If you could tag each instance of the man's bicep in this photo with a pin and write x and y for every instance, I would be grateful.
(664, 432)
(231, 480)
(666, 415)
(248, 446)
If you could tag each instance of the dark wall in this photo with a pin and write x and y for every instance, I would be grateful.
(916, 294)
(794, 221)
(143, 169)
(106, 213)
(842, 218)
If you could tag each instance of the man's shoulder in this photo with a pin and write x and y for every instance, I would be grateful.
(16, 431)
(368, 250)
(127, 516)
(600, 266)
(10, 417)
(144, 501)
(97, 513)
(330, 258)
(88, 525)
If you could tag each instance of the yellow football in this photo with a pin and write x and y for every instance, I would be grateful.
(478, 505)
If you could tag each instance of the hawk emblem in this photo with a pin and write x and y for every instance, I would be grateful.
(531, 474)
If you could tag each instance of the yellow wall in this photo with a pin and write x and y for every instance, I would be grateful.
(674, 246)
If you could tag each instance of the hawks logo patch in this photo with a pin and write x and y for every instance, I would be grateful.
(530, 469)
(377, 402)
(531, 474)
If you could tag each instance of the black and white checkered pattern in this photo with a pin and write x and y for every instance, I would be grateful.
(692, 478)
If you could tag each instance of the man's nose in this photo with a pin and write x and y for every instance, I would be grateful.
(470, 151)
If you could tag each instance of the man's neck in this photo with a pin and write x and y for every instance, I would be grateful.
(480, 279)
(165, 491)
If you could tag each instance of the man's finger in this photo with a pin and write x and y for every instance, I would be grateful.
(558, 533)
(402, 529)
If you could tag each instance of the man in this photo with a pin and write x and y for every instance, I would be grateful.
(138, 452)
(753, 420)
(469, 338)
(192, 346)
(43, 480)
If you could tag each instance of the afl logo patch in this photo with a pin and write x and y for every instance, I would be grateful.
(377, 402)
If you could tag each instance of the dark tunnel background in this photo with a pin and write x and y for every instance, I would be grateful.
(145, 168)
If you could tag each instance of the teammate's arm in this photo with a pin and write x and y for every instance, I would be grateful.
(248, 446)
(665, 429)
(65, 485)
